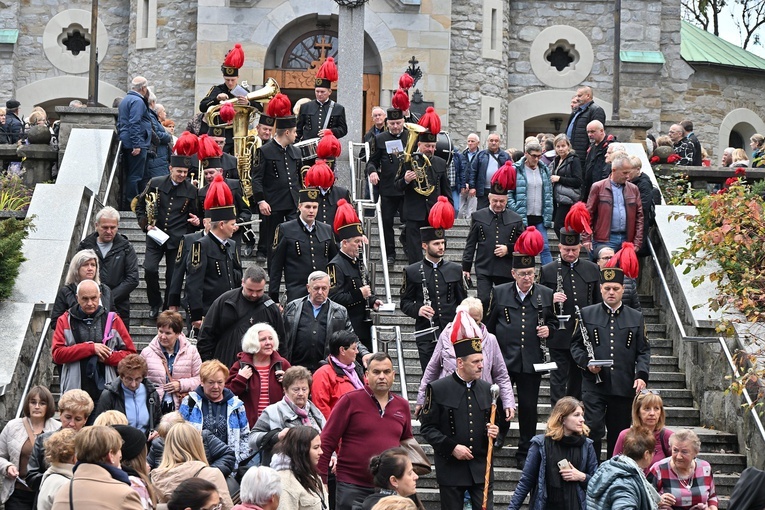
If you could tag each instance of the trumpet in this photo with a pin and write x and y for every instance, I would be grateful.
(411, 160)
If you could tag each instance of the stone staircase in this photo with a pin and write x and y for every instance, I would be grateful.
(720, 449)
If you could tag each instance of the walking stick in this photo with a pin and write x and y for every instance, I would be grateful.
(494, 396)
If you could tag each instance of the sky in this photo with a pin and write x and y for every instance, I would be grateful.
(729, 32)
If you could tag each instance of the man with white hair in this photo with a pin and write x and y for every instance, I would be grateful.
(117, 260)
(310, 322)
(134, 128)
(727, 157)
(683, 147)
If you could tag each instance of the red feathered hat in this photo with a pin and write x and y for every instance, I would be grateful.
(406, 81)
(320, 175)
(227, 112)
(280, 108)
(326, 74)
(347, 223)
(399, 104)
(219, 201)
(466, 334)
(329, 146)
(627, 260)
(440, 218)
(234, 60)
(209, 153)
(504, 179)
(578, 219)
(185, 151)
(432, 122)
(529, 244)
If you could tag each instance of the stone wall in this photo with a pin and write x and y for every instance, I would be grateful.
(9, 18)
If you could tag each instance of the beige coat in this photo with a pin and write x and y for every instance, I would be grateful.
(95, 489)
(56, 476)
(166, 480)
(296, 497)
(12, 438)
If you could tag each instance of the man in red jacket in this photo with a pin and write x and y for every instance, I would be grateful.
(616, 210)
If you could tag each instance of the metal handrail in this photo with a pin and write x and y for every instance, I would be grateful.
(399, 352)
(362, 206)
(355, 179)
(33, 368)
(703, 339)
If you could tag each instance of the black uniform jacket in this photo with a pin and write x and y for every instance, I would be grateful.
(484, 236)
(212, 269)
(172, 209)
(416, 205)
(311, 119)
(581, 285)
(446, 291)
(345, 282)
(619, 336)
(515, 324)
(179, 273)
(385, 164)
(276, 176)
(328, 203)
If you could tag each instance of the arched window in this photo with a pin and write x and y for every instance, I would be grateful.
(310, 48)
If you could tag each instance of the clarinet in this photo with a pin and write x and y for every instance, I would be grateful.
(562, 319)
(541, 323)
(586, 341)
(364, 283)
(432, 329)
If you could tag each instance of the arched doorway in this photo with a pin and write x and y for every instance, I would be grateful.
(736, 129)
(301, 47)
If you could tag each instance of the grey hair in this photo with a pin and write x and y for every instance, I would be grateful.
(317, 275)
(473, 304)
(88, 282)
(251, 339)
(75, 103)
(729, 150)
(532, 146)
(621, 160)
(79, 259)
(254, 273)
(686, 436)
(109, 213)
(259, 485)
(138, 83)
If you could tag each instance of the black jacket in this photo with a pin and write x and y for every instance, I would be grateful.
(172, 210)
(570, 172)
(595, 166)
(385, 164)
(276, 176)
(211, 270)
(113, 397)
(417, 206)
(312, 116)
(446, 290)
(579, 139)
(484, 236)
(118, 270)
(219, 454)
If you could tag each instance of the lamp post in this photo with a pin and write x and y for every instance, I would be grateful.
(93, 68)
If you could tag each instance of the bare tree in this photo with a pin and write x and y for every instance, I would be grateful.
(705, 13)
(749, 21)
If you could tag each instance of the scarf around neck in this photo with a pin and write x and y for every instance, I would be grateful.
(350, 371)
(302, 413)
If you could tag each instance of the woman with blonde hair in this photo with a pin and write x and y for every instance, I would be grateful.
(110, 418)
(740, 159)
(757, 144)
(184, 458)
(648, 413)
(59, 452)
(560, 462)
(83, 266)
(395, 503)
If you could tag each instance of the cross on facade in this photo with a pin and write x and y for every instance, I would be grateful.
(323, 46)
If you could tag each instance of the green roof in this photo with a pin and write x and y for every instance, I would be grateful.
(701, 47)
(9, 36)
(642, 57)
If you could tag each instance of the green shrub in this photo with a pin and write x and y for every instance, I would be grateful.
(12, 234)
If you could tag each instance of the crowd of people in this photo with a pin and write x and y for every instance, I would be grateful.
(282, 401)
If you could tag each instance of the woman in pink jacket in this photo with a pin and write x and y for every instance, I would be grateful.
(173, 361)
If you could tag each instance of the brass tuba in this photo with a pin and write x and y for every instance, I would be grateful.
(244, 143)
(416, 161)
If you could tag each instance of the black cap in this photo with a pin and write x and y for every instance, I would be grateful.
(427, 137)
(350, 231)
(523, 261)
(611, 275)
(133, 441)
(184, 161)
(569, 237)
(321, 82)
(12, 104)
(467, 347)
(266, 120)
(286, 122)
(428, 234)
(394, 114)
(212, 163)
(308, 195)
(497, 189)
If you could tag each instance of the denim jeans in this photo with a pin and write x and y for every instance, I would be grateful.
(614, 242)
(545, 256)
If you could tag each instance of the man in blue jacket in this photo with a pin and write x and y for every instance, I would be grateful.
(484, 165)
(134, 127)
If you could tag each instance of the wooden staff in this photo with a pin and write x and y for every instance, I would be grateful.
(494, 396)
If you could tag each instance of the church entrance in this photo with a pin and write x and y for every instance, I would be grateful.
(295, 60)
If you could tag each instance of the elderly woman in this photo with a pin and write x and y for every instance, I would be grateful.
(560, 462)
(294, 410)
(648, 412)
(59, 452)
(134, 395)
(261, 490)
(683, 480)
(394, 475)
(566, 176)
(172, 360)
(297, 463)
(83, 266)
(213, 407)
(257, 373)
(184, 458)
(74, 407)
(16, 443)
(444, 362)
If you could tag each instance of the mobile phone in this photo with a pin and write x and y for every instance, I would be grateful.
(564, 464)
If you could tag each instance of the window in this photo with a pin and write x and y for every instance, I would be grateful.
(493, 17)
(146, 24)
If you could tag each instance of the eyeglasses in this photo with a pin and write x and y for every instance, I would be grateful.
(536, 156)
(646, 391)
(37, 403)
(525, 275)
(214, 507)
(607, 257)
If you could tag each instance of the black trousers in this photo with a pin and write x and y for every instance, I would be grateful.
(347, 494)
(272, 221)
(606, 412)
(527, 392)
(483, 201)
(453, 498)
(414, 240)
(559, 217)
(566, 381)
(389, 207)
(154, 253)
(487, 282)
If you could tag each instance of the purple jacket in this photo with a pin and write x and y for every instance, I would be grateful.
(444, 363)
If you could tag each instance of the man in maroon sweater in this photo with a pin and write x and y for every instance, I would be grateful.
(367, 421)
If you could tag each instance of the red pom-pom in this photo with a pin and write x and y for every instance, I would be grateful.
(319, 176)
(345, 215)
(505, 176)
(627, 260)
(441, 214)
(400, 100)
(329, 146)
(227, 112)
(218, 194)
(406, 81)
(654, 160)
(187, 144)
(279, 106)
(235, 57)
(530, 242)
(328, 70)
(431, 121)
(208, 148)
(578, 219)
(673, 158)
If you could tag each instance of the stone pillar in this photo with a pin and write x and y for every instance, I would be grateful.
(85, 118)
(350, 87)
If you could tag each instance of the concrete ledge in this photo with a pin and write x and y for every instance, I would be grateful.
(85, 163)
(14, 322)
